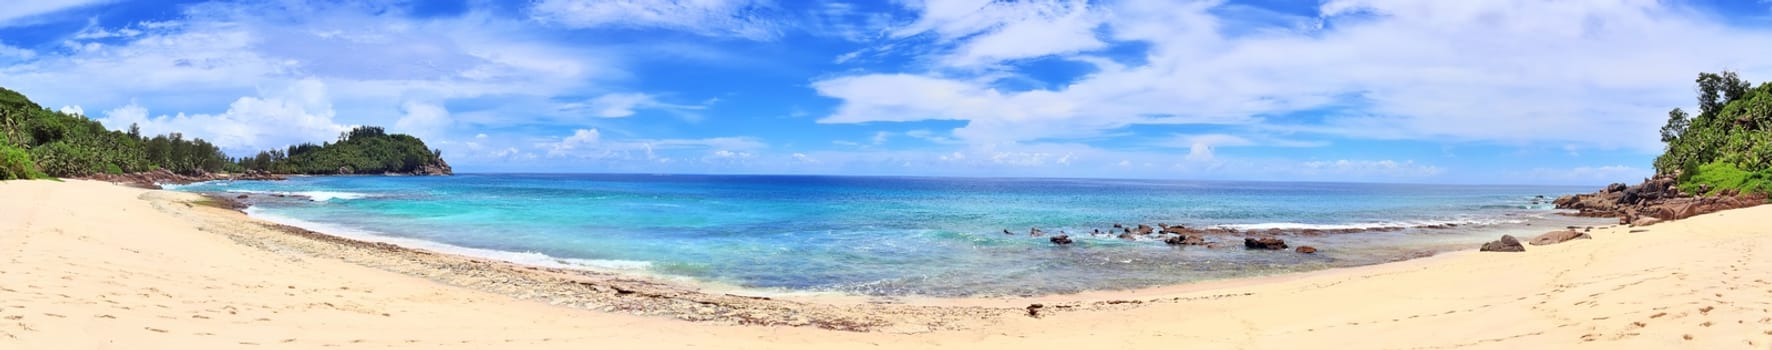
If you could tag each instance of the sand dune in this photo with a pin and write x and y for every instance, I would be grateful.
(88, 265)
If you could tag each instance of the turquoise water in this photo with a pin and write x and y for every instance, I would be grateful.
(892, 236)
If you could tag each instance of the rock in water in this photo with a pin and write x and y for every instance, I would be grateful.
(1306, 249)
(1555, 237)
(1061, 239)
(1507, 243)
(1185, 240)
(1268, 243)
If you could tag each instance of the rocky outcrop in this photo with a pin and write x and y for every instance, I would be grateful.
(441, 168)
(1264, 243)
(1656, 199)
(153, 179)
(1306, 249)
(1507, 243)
(1185, 240)
(1555, 237)
(1061, 239)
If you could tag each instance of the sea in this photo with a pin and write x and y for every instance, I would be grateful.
(896, 236)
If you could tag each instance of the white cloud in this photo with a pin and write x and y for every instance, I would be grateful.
(589, 143)
(74, 109)
(580, 137)
(300, 113)
(226, 50)
(1368, 168)
(1583, 174)
(720, 18)
(621, 105)
(1498, 71)
(8, 51)
(999, 31)
(730, 154)
(802, 157)
(427, 121)
(16, 10)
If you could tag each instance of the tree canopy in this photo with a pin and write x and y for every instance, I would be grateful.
(1728, 145)
(36, 142)
(364, 149)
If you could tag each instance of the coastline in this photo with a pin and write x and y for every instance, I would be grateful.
(1528, 298)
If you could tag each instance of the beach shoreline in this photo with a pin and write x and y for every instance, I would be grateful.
(1278, 305)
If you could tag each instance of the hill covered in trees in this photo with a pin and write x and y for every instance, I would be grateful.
(363, 150)
(1728, 145)
(36, 142)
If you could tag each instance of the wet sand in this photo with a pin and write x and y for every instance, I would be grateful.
(95, 265)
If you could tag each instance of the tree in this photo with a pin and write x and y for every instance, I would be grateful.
(1676, 124)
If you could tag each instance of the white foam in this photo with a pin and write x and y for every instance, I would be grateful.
(318, 196)
(523, 258)
(1365, 226)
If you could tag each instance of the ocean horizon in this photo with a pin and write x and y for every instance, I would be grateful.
(899, 235)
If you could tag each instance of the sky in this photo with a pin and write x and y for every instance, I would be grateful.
(1488, 92)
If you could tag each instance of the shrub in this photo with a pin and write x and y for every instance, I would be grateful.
(1723, 175)
(16, 164)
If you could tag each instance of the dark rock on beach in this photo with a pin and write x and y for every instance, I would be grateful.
(1265, 243)
(1061, 239)
(1507, 243)
(1306, 249)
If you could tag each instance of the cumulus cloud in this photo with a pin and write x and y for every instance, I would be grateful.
(425, 120)
(1498, 71)
(299, 113)
(719, 18)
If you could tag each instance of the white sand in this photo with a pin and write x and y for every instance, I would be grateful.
(88, 265)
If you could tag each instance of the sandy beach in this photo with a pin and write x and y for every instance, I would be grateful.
(92, 265)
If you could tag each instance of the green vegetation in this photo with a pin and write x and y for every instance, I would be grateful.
(65, 145)
(38, 143)
(365, 149)
(1724, 175)
(1728, 145)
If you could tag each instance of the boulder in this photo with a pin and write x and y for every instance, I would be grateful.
(1177, 229)
(1265, 243)
(1144, 229)
(1306, 249)
(1061, 239)
(1507, 243)
(1645, 221)
(1555, 237)
(1128, 236)
(1616, 187)
(345, 170)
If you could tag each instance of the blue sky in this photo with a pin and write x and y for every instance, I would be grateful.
(1506, 91)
